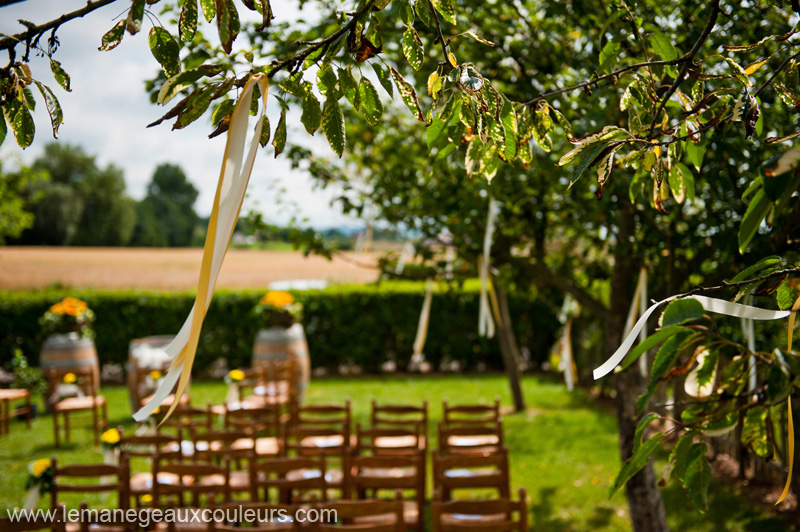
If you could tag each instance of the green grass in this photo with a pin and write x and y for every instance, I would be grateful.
(563, 450)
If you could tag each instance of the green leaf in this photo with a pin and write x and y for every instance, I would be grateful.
(349, 87)
(778, 384)
(3, 128)
(664, 360)
(676, 184)
(227, 24)
(679, 453)
(786, 295)
(688, 181)
(177, 83)
(265, 132)
(634, 464)
(61, 76)
(640, 428)
(112, 37)
(196, 105)
(135, 16)
(587, 162)
(470, 78)
(333, 125)
(279, 140)
(53, 108)
(165, 49)
(608, 56)
(209, 9)
(694, 154)
(327, 83)
(445, 8)
(371, 105)
(406, 13)
(23, 126)
(764, 263)
(681, 311)
(425, 14)
(383, 77)
(698, 475)
(222, 110)
(755, 214)
(754, 431)
(412, 48)
(509, 119)
(408, 94)
(187, 26)
(662, 45)
(649, 343)
(311, 116)
(474, 153)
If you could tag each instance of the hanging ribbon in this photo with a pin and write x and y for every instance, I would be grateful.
(485, 323)
(424, 319)
(566, 362)
(406, 254)
(710, 304)
(790, 438)
(449, 258)
(638, 304)
(749, 335)
(234, 175)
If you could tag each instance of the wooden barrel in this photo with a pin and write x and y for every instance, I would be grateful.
(158, 341)
(70, 352)
(276, 343)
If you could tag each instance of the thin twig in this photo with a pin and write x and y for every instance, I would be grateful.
(775, 74)
(439, 32)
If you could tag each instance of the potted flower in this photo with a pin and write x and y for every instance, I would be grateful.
(70, 342)
(39, 482)
(27, 377)
(282, 335)
(232, 379)
(109, 445)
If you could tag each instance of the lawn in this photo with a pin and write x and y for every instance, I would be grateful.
(563, 450)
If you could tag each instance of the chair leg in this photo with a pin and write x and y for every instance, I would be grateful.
(55, 428)
(66, 427)
(94, 425)
(30, 410)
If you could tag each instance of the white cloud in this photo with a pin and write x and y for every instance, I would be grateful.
(107, 113)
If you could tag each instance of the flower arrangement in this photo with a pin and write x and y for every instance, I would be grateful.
(232, 379)
(110, 439)
(40, 476)
(67, 316)
(278, 309)
(234, 375)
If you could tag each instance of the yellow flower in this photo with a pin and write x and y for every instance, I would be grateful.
(155, 375)
(111, 437)
(277, 299)
(236, 374)
(147, 498)
(40, 466)
(58, 308)
(157, 410)
(70, 378)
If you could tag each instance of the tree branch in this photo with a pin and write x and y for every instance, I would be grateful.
(11, 41)
(687, 61)
(775, 74)
(439, 33)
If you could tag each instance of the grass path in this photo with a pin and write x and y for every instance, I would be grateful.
(563, 450)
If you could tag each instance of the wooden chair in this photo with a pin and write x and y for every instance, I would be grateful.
(262, 423)
(471, 438)
(294, 479)
(367, 476)
(388, 440)
(364, 516)
(496, 515)
(143, 386)
(266, 517)
(471, 471)
(409, 417)
(216, 447)
(328, 444)
(277, 385)
(35, 522)
(91, 402)
(105, 478)
(186, 418)
(471, 414)
(7, 413)
(145, 447)
(197, 484)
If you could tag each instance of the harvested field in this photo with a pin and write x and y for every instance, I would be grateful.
(170, 269)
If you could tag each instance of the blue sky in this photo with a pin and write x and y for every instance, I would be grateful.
(107, 112)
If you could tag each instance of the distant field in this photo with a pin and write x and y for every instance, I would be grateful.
(170, 269)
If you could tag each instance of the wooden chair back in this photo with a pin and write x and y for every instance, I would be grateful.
(86, 379)
(400, 416)
(195, 484)
(254, 517)
(498, 515)
(214, 445)
(35, 522)
(186, 418)
(255, 420)
(471, 471)
(336, 416)
(364, 516)
(293, 478)
(104, 478)
(280, 381)
(388, 440)
(471, 413)
(470, 438)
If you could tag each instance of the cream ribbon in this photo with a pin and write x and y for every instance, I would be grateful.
(710, 304)
(234, 175)
(749, 334)
(424, 319)
(485, 323)
(566, 359)
(406, 254)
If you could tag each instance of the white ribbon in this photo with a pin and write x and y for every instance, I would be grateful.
(638, 304)
(232, 395)
(485, 322)
(717, 306)
(234, 175)
(566, 364)
(32, 499)
(406, 254)
(424, 319)
(749, 334)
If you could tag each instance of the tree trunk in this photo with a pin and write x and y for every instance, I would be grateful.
(644, 498)
(508, 348)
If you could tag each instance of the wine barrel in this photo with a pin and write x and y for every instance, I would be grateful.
(276, 343)
(136, 348)
(67, 352)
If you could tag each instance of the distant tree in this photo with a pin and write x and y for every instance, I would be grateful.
(57, 216)
(16, 202)
(109, 216)
(166, 214)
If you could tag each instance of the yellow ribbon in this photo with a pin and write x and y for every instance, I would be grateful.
(790, 453)
(231, 187)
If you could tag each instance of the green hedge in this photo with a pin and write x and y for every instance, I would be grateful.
(360, 324)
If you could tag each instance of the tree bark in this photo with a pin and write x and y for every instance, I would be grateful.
(644, 498)
(508, 348)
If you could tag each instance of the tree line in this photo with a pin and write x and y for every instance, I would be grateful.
(64, 198)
